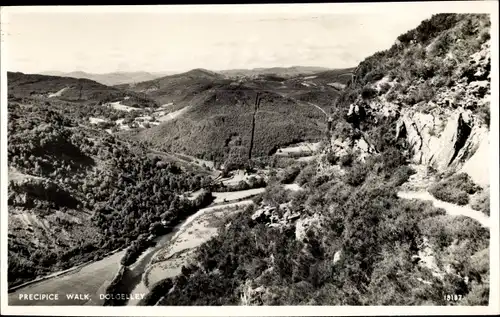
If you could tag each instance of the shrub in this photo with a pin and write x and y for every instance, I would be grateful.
(384, 88)
(368, 93)
(483, 112)
(481, 201)
(306, 175)
(356, 175)
(346, 160)
(402, 174)
(455, 189)
(373, 76)
(332, 158)
(391, 96)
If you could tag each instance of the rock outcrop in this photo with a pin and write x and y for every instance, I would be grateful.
(450, 132)
(446, 141)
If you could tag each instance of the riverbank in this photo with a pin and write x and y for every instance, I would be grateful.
(169, 260)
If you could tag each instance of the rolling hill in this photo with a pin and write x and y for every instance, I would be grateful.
(110, 79)
(177, 89)
(218, 124)
(70, 89)
(279, 71)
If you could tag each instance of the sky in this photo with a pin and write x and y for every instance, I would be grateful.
(173, 42)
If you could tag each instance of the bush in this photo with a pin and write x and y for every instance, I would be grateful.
(455, 189)
(289, 174)
(346, 160)
(384, 88)
(484, 113)
(356, 174)
(481, 201)
(368, 93)
(306, 175)
(332, 158)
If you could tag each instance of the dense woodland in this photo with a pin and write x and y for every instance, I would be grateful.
(86, 172)
(218, 125)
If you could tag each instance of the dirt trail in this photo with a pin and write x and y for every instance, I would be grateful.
(416, 188)
(315, 105)
(451, 209)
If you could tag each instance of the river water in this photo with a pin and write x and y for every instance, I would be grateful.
(93, 278)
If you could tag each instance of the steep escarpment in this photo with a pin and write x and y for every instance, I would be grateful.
(430, 92)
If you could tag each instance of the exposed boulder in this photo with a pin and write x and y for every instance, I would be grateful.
(275, 216)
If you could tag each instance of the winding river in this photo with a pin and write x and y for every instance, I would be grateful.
(93, 278)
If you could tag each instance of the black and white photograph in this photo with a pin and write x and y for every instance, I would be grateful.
(297, 155)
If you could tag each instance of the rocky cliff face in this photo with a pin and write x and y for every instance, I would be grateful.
(448, 132)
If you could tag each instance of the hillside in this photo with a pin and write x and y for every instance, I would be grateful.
(279, 71)
(110, 79)
(177, 89)
(218, 124)
(216, 115)
(77, 193)
(71, 89)
(430, 90)
(414, 115)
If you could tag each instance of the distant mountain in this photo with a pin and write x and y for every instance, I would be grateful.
(280, 71)
(111, 79)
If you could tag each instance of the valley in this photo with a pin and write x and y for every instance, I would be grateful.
(283, 186)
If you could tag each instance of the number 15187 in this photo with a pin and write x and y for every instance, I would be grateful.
(455, 297)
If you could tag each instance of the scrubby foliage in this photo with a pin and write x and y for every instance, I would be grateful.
(100, 192)
(424, 61)
(481, 201)
(377, 235)
(455, 189)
